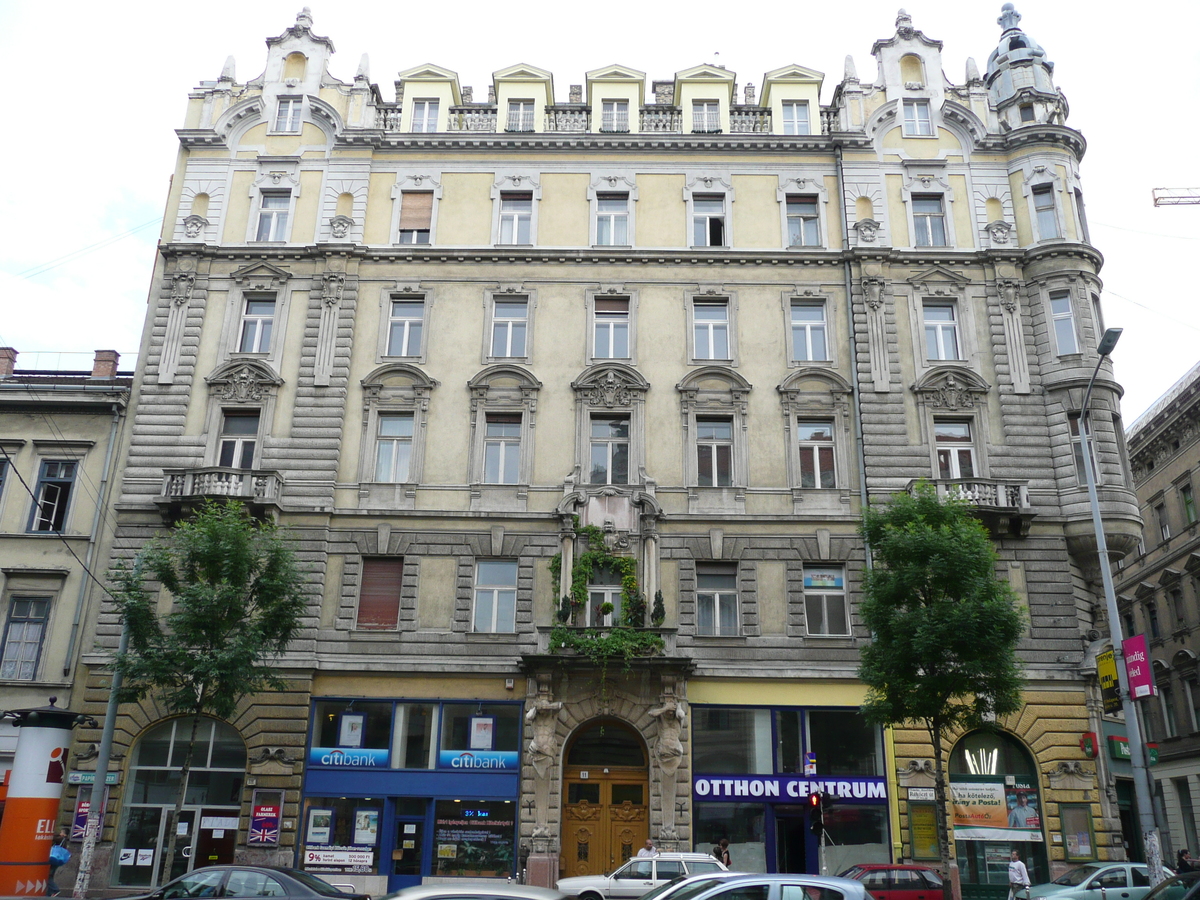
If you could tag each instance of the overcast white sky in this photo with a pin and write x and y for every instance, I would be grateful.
(96, 91)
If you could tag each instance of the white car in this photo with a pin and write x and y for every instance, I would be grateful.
(638, 875)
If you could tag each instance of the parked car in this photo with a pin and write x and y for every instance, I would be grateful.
(1098, 881)
(1184, 886)
(687, 886)
(249, 881)
(474, 890)
(738, 886)
(636, 876)
(897, 882)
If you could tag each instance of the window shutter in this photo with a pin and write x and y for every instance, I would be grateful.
(612, 304)
(416, 210)
(379, 598)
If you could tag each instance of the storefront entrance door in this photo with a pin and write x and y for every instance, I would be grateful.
(791, 838)
(406, 856)
(605, 818)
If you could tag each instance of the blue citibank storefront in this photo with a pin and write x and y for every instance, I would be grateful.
(397, 790)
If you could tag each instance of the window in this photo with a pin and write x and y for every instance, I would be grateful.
(803, 226)
(716, 599)
(816, 453)
(1177, 606)
(1077, 450)
(404, 327)
(23, 635)
(1186, 498)
(1164, 525)
(612, 219)
(239, 434)
(706, 117)
(273, 216)
(825, 600)
(795, 117)
(288, 114)
(495, 596)
(610, 450)
(393, 447)
(244, 883)
(714, 452)
(928, 220)
(604, 592)
(916, 119)
(258, 319)
(614, 116)
(516, 218)
(611, 328)
(55, 483)
(510, 320)
(425, 116)
(808, 332)
(379, 596)
(502, 449)
(1193, 689)
(1166, 698)
(1027, 112)
(955, 449)
(1063, 317)
(710, 323)
(1152, 620)
(708, 220)
(416, 214)
(520, 115)
(1043, 206)
(941, 330)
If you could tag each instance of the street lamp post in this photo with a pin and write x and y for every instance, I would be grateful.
(1137, 751)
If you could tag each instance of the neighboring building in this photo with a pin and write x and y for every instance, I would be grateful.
(662, 338)
(1158, 589)
(60, 439)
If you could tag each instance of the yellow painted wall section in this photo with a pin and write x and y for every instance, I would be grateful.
(308, 208)
(465, 210)
(825, 692)
(964, 219)
(434, 686)
(437, 589)
(833, 215)
(809, 92)
(257, 137)
(522, 90)
(195, 110)
(897, 211)
(237, 209)
(377, 226)
(661, 213)
(563, 211)
(756, 211)
(441, 91)
(599, 91)
(704, 89)
(455, 320)
(1016, 183)
(772, 597)
(171, 214)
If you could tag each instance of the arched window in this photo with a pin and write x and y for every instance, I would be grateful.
(606, 743)
(208, 824)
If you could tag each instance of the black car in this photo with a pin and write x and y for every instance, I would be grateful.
(1184, 885)
(248, 881)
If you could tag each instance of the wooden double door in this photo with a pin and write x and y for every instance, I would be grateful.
(606, 817)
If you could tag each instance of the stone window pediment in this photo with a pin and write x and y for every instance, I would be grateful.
(243, 381)
(951, 387)
(611, 386)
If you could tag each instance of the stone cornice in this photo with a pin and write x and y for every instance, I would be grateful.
(1061, 135)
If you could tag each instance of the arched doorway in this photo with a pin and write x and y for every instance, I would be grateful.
(998, 808)
(606, 798)
(206, 833)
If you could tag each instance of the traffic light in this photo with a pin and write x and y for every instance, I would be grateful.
(817, 823)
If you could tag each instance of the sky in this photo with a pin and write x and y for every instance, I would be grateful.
(88, 142)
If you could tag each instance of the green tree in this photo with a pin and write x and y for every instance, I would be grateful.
(237, 600)
(944, 627)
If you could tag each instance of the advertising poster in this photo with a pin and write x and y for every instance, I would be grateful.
(474, 839)
(366, 827)
(482, 733)
(266, 810)
(1106, 671)
(351, 729)
(993, 811)
(1138, 668)
(923, 824)
(320, 826)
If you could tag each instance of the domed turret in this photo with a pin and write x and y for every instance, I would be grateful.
(1020, 79)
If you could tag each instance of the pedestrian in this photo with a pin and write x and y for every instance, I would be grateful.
(1185, 862)
(649, 849)
(723, 856)
(59, 856)
(1018, 877)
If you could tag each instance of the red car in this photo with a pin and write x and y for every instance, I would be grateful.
(888, 882)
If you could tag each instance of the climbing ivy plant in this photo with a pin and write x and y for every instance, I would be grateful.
(595, 558)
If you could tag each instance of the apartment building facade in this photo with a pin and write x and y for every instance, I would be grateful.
(516, 372)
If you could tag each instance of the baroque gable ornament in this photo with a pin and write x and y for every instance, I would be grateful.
(612, 390)
(193, 225)
(243, 386)
(868, 230)
(339, 226)
(948, 392)
(999, 231)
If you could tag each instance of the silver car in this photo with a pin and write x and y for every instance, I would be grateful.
(636, 876)
(475, 889)
(783, 887)
(1097, 881)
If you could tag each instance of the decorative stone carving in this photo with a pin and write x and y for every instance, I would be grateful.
(1000, 232)
(543, 747)
(1009, 291)
(873, 292)
(611, 391)
(193, 225)
(339, 226)
(668, 749)
(952, 389)
(332, 284)
(917, 773)
(868, 230)
(273, 761)
(1070, 775)
(181, 287)
(952, 395)
(243, 386)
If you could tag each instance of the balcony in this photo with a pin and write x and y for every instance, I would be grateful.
(577, 119)
(749, 120)
(1002, 506)
(183, 490)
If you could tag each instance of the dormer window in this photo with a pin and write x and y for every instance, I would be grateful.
(614, 116)
(706, 117)
(425, 116)
(288, 114)
(917, 122)
(520, 115)
(795, 117)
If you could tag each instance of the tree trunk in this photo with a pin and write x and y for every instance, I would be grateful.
(939, 806)
(173, 816)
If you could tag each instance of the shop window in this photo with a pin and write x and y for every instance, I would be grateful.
(346, 822)
(732, 740)
(379, 595)
(493, 830)
(845, 744)
(743, 825)
(351, 725)
(480, 729)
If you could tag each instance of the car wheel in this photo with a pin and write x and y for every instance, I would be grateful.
(590, 895)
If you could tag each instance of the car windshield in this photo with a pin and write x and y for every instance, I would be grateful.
(694, 888)
(324, 888)
(1077, 876)
(1174, 888)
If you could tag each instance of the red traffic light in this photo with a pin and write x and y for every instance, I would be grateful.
(814, 800)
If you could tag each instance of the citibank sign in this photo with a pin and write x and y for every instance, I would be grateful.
(348, 758)
(786, 789)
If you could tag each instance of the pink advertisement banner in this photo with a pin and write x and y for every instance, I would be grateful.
(1137, 666)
